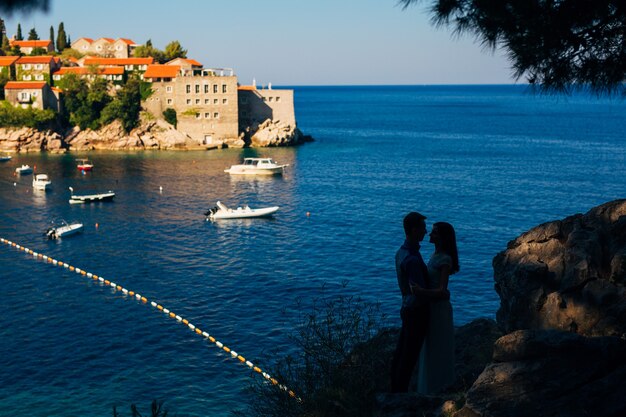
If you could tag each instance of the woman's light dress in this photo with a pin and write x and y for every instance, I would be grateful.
(436, 364)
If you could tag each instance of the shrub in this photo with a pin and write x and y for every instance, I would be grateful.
(29, 117)
(336, 370)
(170, 116)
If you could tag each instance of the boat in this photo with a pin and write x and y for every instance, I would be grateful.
(90, 198)
(41, 182)
(5, 158)
(24, 170)
(221, 212)
(64, 230)
(84, 164)
(257, 166)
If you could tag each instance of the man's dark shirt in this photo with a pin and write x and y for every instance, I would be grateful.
(410, 270)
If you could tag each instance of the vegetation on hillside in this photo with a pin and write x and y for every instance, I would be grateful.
(172, 50)
(11, 116)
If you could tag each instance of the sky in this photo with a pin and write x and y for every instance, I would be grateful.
(288, 42)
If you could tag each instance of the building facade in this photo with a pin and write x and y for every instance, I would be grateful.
(37, 94)
(36, 68)
(105, 47)
(205, 103)
(257, 105)
(26, 47)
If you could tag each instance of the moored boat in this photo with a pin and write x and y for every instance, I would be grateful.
(24, 170)
(84, 164)
(41, 182)
(5, 158)
(64, 230)
(90, 198)
(222, 212)
(257, 166)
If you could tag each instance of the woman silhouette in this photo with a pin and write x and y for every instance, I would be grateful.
(436, 365)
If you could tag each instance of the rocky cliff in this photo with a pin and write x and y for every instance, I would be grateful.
(563, 307)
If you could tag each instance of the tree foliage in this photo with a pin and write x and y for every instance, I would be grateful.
(29, 117)
(557, 45)
(62, 42)
(52, 36)
(19, 36)
(169, 115)
(32, 35)
(174, 50)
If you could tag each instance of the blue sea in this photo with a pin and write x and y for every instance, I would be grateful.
(492, 160)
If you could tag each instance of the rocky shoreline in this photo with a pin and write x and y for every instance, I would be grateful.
(559, 345)
(150, 135)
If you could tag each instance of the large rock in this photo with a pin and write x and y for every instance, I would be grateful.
(551, 373)
(27, 139)
(276, 133)
(567, 274)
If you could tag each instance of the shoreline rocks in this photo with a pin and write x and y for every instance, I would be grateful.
(150, 135)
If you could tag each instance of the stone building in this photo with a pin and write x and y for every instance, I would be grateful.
(130, 65)
(36, 68)
(105, 47)
(257, 105)
(205, 101)
(26, 47)
(31, 93)
(7, 66)
(115, 75)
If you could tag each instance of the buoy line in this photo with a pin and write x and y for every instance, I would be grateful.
(144, 300)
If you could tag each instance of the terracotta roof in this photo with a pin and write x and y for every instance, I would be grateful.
(246, 87)
(117, 61)
(107, 39)
(185, 60)
(85, 39)
(56, 89)
(24, 85)
(44, 59)
(162, 71)
(6, 61)
(86, 70)
(31, 44)
(127, 41)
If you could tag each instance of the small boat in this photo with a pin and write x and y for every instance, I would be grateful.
(24, 170)
(90, 198)
(84, 164)
(5, 158)
(64, 230)
(41, 182)
(221, 212)
(257, 166)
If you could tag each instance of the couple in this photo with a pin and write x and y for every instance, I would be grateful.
(427, 331)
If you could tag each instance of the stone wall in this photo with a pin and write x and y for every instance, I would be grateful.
(258, 105)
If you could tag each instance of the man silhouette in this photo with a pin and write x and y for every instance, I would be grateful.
(412, 275)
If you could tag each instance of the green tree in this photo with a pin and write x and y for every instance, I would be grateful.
(38, 51)
(61, 38)
(169, 115)
(147, 50)
(3, 29)
(32, 35)
(52, 36)
(557, 45)
(174, 50)
(4, 78)
(6, 45)
(130, 103)
(19, 36)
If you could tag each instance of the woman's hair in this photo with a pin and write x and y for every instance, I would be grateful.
(448, 243)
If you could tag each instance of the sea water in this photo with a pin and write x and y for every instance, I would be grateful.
(492, 160)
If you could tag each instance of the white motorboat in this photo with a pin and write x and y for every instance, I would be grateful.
(221, 212)
(90, 198)
(41, 182)
(24, 169)
(5, 158)
(257, 166)
(64, 230)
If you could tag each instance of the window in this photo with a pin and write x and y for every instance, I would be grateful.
(26, 77)
(99, 47)
(197, 89)
(24, 97)
(207, 101)
(225, 101)
(215, 88)
(270, 99)
(197, 101)
(207, 115)
(216, 115)
(188, 88)
(215, 101)
(277, 99)
(168, 89)
(56, 77)
(206, 89)
(26, 66)
(169, 101)
(197, 115)
(35, 93)
(39, 77)
(188, 101)
(38, 66)
(223, 88)
(264, 98)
